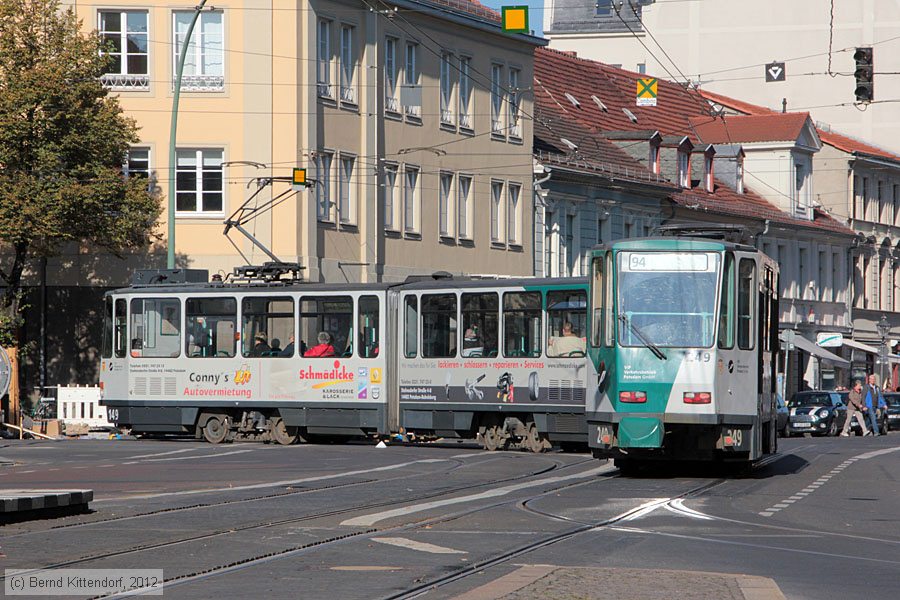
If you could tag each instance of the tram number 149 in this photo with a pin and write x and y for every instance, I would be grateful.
(698, 356)
(112, 414)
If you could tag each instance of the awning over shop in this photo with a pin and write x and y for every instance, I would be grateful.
(810, 347)
(893, 358)
(861, 346)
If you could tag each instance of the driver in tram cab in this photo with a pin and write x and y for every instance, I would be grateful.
(323, 349)
(567, 344)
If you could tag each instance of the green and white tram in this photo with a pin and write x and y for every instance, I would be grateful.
(683, 338)
(502, 360)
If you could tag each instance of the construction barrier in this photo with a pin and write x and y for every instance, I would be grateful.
(81, 406)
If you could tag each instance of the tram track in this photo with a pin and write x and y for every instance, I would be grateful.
(278, 522)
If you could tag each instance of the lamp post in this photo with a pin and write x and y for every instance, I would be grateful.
(176, 96)
(884, 328)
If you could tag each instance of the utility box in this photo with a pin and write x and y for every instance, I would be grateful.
(169, 276)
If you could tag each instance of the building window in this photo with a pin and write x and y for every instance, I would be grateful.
(884, 208)
(411, 209)
(604, 8)
(822, 281)
(444, 202)
(323, 59)
(571, 251)
(801, 190)
(125, 39)
(837, 280)
(348, 65)
(512, 214)
(739, 185)
(867, 208)
(323, 185)
(198, 182)
(549, 245)
(390, 75)
(496, 205)
(347, 202)
(515, 102)
(654, 158)
(497, 100)
(642, 68)
(708, 175)
(390, 197)
(896, 200)
(684, 169)
(465, 94)
(411, 78)
(204, 64)
(463, 189)
(447, 117)
(138, 163)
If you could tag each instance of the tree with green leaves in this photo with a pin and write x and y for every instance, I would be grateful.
(63, 141)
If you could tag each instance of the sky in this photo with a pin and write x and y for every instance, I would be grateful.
(535, 13)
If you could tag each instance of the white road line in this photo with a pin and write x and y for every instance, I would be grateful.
(258, 486)
(417, 546)
(371, 519)
(163, 453)
(197, 457)
(825, 479)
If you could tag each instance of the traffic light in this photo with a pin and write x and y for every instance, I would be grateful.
(865, 71)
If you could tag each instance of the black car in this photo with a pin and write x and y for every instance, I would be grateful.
(893, 411)
(816, 412)
(783, 416)
(882, 416)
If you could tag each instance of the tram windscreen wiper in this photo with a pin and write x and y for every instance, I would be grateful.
(644, 339)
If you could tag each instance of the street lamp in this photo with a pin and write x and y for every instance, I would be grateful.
(884, 328)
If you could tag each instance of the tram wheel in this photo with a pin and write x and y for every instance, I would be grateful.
(216, 429)
(284, 434)
(491, 439)
(534, 441)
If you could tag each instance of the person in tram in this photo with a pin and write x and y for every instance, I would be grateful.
(568, 344)
(260, 344)
(289, 349)
(323, 349)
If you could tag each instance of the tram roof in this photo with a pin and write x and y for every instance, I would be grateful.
(417, 283)
(677, 243)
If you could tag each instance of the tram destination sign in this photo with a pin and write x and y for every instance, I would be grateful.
(668, 261)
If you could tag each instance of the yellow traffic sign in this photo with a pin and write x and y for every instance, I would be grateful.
(298, 179)
(515, 19)
(647, 91)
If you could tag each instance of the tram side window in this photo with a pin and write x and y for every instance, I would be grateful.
(326, 326)
(155, 327)
(567, 317)
(211, 325)
(120, 333)
(267, 327)
(439, 325)
(598, 303)
(726, 305)
(522, 324)
(411, 327)
(746, 294)
(481, 319)
(111, 331)
(368, 326)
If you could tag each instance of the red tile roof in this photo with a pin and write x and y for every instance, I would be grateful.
(770, 127)
(832, 138)
(679, 110)
(470, 7)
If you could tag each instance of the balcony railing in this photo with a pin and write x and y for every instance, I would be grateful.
(447, 117)
(125, 81)
(202, 83)
(325, 90)
(348, 94)
(465, 121)
(391, 104)
(413, 111)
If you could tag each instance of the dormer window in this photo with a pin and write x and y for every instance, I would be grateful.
(739, 183)
(684, 169)
(604, 8)
(573, 100)
(654, 158)
(708, 177)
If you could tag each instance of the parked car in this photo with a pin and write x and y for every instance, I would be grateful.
(882, 416)
(816, 412)
(783, 416)
(892, 416)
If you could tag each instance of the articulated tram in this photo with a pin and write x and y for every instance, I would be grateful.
(682, 341)
(503, 360)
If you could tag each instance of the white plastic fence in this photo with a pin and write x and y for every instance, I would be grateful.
(81, 405)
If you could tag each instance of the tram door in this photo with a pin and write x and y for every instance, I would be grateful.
(114, 348)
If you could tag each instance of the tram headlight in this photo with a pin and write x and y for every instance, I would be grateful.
(697, 397)
(633, 397)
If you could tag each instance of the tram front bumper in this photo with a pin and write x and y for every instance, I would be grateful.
(640, 432)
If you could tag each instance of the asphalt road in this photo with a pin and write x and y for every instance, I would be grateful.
(821, 520)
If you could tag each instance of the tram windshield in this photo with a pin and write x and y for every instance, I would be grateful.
(667, 299)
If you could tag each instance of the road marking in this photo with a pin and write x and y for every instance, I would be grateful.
(197, 457)
(371, 519)
(258, 486)
(417, 546)
(163, 453)
(823, 480)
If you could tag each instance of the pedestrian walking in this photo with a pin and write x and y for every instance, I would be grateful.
(874, 399)
(855, 404)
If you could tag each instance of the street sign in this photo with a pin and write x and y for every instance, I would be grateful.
(515, 19)
(787, 336)
(646, 91)
(826, 339)
(775, 72)
(5, 372)
(298, 179)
